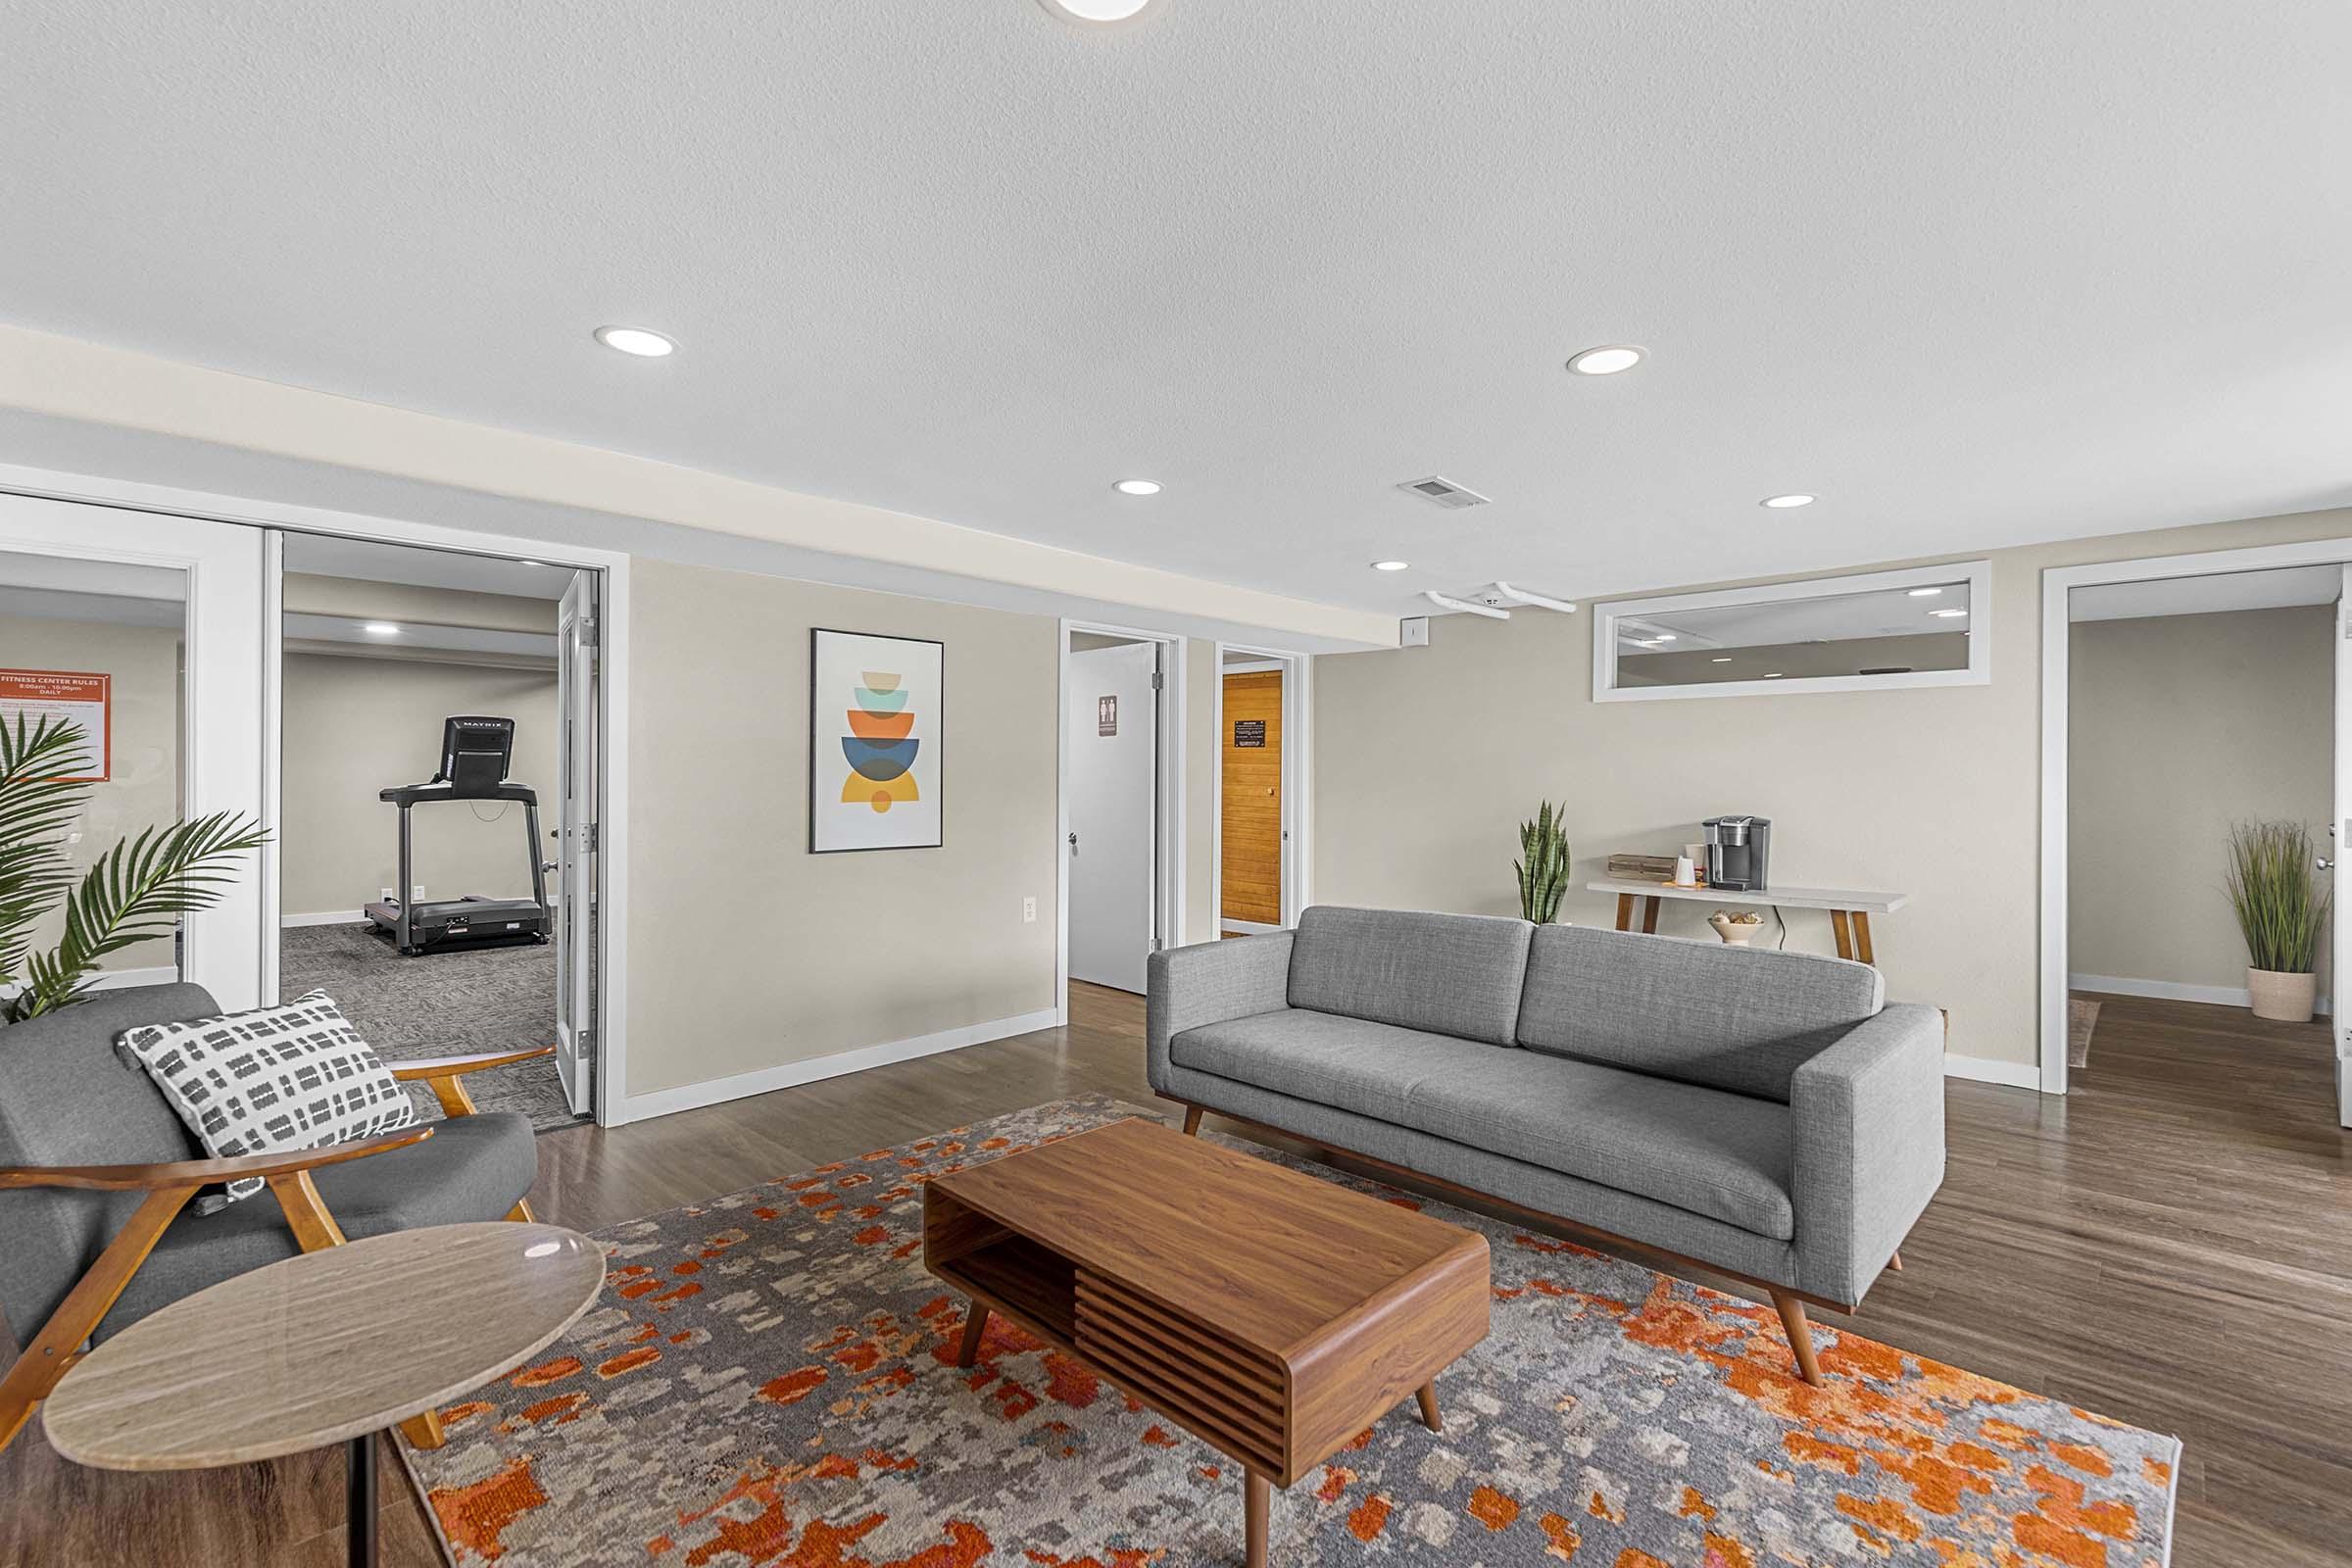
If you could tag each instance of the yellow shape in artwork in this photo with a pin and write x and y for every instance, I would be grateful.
(880, 796)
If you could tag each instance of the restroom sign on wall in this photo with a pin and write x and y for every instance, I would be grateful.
(1106, 715)
(82, 701)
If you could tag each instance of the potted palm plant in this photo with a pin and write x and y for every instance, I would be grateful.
(1544, 866)
(2282, 914)
(134, 892)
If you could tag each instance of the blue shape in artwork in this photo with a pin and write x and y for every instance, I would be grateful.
(882, 760)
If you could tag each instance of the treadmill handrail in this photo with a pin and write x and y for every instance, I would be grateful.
(406, 794)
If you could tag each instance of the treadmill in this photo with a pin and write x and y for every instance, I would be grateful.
(475, 754)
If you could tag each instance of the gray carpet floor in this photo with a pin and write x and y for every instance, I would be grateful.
(451, 1003)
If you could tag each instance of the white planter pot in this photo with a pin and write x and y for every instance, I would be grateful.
(2282, 997)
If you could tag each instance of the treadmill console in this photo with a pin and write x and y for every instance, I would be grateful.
(476, 753)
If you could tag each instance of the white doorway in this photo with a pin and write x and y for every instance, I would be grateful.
(2182, 697)
(1120, 826)
(1259, 827)
(171, 735)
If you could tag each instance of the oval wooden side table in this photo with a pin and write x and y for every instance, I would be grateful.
(331, 1346)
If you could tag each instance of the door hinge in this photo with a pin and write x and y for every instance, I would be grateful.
(1156, 680)
(1157, 945)
(588, 838)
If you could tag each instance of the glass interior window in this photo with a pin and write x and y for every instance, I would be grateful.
(1880, 633)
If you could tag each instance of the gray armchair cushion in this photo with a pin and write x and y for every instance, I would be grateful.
(1735, 1018)
(471, 1168)
(1452, 974)
(67, 1099)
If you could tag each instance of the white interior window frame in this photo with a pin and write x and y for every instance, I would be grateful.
(1297, 772)
(1977, 574)
(1168, 850)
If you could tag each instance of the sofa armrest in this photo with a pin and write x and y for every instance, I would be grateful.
(1869, 1126)
(1209, 983)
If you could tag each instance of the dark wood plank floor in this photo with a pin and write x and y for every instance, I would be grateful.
(2171, 1245)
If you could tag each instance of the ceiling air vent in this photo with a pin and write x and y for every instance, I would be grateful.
(1443, 492)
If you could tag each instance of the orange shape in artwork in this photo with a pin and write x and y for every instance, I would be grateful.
(879, 726)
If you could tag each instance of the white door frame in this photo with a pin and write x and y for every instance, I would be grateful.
(1297, 762)
(221, 755)
(1168, 829)
(2057, 582)
(171, 501)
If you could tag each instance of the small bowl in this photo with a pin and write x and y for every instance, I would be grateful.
(1734, 932)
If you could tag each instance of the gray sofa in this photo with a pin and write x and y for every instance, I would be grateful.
(1766, 1115)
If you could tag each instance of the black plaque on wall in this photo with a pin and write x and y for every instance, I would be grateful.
(1250, 732)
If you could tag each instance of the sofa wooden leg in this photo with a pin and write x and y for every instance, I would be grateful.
(1427, 1393)
(1896, 1262)
(48, 1353)
(1801, 1336)
(521, 1213)
(1192, 1121)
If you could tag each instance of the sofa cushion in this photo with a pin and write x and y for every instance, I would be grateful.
(1728, 1157)
(471, 1168)
(1723, 1156)
(1704, 1012)
(1354, 1063)
(1455, 974)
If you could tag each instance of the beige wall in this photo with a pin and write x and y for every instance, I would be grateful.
(144, 789)
(355, 725)
(746, 951)
(2182, 725)
(1427, 759)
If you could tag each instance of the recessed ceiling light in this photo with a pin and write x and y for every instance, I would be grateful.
(380, 628)
(1925, 593)
(1947, 614)
(1094, 10)
(1390, 566)
(1720, 658)
(1606, 360)
(635, 340)
(1783, 503)
(1665, 636)
(1137, 487)
(1775, 675)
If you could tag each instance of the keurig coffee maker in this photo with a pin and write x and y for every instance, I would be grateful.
(1736, 848)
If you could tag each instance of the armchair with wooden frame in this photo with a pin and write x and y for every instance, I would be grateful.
(97, 1172)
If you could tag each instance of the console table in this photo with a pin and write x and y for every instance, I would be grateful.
(1849, 908)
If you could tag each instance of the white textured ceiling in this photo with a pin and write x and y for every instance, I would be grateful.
(1975, 274)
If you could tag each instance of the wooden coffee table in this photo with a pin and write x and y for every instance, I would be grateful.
(1272, 1315)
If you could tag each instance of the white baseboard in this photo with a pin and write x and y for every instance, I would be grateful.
(1986, 1070)
(691, 1097)
(329, 917)
(2171, 990)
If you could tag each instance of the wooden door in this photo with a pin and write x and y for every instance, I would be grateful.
(1252, 834)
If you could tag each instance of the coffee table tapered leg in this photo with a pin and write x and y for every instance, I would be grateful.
(1254, 1502)
(975, 1323)
(1428, 1395)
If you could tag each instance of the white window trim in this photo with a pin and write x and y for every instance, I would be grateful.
(1976, 573)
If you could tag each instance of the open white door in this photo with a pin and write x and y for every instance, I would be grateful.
(575, 835)
(150, 631)
(1111, 717)
(2340, 836)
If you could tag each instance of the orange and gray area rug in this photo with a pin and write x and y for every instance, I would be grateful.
(769, 1380)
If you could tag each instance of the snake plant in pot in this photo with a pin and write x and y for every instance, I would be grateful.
(1544, 865)
(134, 892)
(2281, 913)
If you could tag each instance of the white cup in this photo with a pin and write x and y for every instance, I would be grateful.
(1685, 873)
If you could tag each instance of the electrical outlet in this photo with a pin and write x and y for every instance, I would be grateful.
(385, 894)
(1028, 911)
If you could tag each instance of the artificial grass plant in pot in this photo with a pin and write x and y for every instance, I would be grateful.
(2281, 913)
(135, 892)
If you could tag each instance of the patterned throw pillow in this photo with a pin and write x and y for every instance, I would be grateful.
(275, 1078)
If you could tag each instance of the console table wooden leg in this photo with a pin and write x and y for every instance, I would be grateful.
(975, 1323)
(1862, 947)
(1428, 1395)
(1254, 1502)
(1649, 917)
(1624, 912)
(1840, 929)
